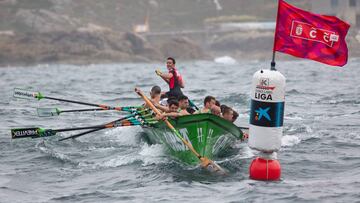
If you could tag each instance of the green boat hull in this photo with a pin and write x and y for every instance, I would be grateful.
(210, 136)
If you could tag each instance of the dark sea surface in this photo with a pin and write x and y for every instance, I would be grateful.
(320, 153)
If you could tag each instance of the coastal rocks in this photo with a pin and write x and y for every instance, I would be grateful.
(42, 20)
(83, 46)
(90, 44)
(183, 48)
(140, 46)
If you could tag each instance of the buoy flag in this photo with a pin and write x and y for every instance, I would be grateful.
(312, 36)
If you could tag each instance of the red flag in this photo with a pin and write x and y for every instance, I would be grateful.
(308, 35)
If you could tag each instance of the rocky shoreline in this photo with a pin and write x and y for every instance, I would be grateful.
(89, 31)
(87, 47)
(94, 45)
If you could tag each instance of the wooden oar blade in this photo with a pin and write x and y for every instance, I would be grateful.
(31, 132)
(47, 112)
(211, 166)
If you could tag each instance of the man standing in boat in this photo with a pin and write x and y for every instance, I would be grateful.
(173, 78)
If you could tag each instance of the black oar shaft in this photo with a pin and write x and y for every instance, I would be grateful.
(76, 102)
(108, 125)
(81, 134)
(77, 128)
(99, 128)
(82, 110)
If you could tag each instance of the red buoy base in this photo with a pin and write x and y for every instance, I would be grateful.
(265, 169)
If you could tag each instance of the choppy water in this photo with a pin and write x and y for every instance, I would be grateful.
(320, 156)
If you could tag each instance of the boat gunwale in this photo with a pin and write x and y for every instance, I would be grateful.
(206, 117)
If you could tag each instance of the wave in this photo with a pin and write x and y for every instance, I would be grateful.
(289, 140)
(146, 155)
(54, 154)
(226, 60)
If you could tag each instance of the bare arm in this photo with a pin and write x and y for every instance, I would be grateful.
(166, 76)
(172, 114)
(162, 108)
(176, 114)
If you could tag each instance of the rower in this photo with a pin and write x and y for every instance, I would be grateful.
(173, 106)
(209, 101)
(155, 94)
(173, 78)
(227, 113)
(235, 115)
(216, 110)
(182, 110)
(173, 110)
(183, 105)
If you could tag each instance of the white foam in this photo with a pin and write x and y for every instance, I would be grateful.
(293, 118)
(245, 152)
(51, 152)
(226, 60)
(125, 135)
(289, 141)
(308, 129)
(152, 154)
(122, 160)
(148, 154)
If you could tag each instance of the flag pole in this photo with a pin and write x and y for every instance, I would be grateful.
(273, 62)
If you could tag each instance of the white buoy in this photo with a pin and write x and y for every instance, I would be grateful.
(266, 122)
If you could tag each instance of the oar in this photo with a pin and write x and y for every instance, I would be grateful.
(42, 132)
(205, 162)
(192, 104)
(97, 129)
(25, 94)
(48, 112)
(81, 134)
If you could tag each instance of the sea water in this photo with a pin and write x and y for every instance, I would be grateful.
(320, 154)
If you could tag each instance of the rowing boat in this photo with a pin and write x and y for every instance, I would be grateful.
(193, 139)
(210, 135)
